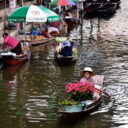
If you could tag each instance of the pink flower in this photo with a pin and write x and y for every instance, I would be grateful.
(80, 86)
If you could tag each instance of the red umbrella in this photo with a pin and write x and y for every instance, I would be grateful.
(65, 2)
(62, 3)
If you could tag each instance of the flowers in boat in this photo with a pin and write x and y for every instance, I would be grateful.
(80, 91)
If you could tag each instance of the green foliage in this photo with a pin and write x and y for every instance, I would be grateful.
(79, 96)
(69, 102)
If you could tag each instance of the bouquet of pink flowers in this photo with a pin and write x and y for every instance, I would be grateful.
(80, 91)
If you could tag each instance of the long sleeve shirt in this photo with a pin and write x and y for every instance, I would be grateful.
(84, 80)
(11, 41)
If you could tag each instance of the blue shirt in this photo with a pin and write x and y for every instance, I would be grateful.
(66, 51)
(35, 33)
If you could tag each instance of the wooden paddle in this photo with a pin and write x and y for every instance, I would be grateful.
(103, 92)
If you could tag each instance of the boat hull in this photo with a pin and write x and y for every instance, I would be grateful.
(89, 109)
(100, 9)
(9, 58)
(65, 60)
(40, 42)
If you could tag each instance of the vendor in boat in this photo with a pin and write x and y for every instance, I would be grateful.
(69, 16)
(53, 31)
(90, 77)
(46, 34)
(87, 73)
(35, 32)
(13, 43)
(66, 48)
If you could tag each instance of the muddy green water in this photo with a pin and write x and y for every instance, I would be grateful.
(29, 93)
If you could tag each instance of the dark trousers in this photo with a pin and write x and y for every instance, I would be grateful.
(17, 49)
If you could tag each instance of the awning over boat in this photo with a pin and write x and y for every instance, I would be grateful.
(33, 14)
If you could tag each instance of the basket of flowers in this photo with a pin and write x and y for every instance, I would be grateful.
(80, 91)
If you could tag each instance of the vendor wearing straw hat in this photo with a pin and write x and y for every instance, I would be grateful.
(87, 73)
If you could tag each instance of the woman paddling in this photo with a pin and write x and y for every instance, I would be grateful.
(91, 77)
(88, 74)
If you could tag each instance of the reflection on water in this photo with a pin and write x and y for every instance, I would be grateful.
(29, 93)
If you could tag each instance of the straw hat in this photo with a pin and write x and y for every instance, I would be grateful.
(87, 69)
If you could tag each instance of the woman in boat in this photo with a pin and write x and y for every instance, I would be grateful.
(89, 77)
(13, 43)
(87, 73)
(66, 48)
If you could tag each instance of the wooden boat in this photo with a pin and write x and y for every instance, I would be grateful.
(114, 1)
(9, 58)
(61, 60)
(94, 104)
(100, 9)
(107, 9)
(86, 111)
(42, 41)
(101, 1)
(65, 60)
(117, 2)
(92, 7)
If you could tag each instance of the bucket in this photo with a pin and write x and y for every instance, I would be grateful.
(72, 108)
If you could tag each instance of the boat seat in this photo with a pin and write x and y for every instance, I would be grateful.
(98, 79)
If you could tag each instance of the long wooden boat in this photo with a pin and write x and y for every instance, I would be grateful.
(100, 8)
(92, 106)
(61, 60)
(107, 9)
(39, 42)
(92, 7)
(86, 111)
(9, 58)
(101, 1)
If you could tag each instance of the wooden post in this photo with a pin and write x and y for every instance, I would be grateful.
(21, 3)
(25, 30)
(5, 4)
